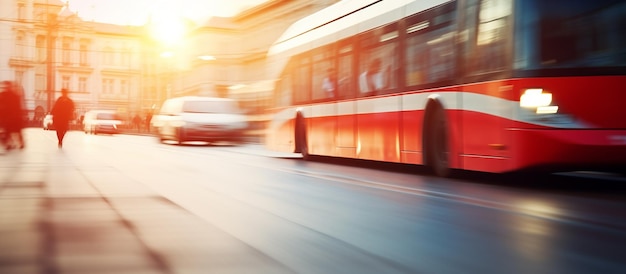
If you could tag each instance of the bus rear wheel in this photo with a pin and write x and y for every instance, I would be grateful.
(436, 145)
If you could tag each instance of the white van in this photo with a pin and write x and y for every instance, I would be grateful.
(101, 121)
(194, 118)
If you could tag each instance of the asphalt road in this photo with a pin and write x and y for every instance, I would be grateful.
(338, 216)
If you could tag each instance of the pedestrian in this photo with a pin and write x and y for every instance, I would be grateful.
(329, 84)
(148, 120)
(13, 116)
(137, 122)
(62, 113)
(3, 117)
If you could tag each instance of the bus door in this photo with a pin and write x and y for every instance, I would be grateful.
(485, 54)
(346, 105)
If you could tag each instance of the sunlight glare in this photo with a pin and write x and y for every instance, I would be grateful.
(169, 30)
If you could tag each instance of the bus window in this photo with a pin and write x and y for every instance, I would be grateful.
(378, 63)
(324, 76)
(429, 46)
(302, 83)
(588, 34)
(487, 38)
(345, 68)
(284, 94)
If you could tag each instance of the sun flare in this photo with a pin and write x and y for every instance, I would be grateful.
(168, 31)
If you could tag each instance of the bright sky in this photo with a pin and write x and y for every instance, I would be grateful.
(136, 12)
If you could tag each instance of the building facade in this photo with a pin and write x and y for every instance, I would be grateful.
(46, 47)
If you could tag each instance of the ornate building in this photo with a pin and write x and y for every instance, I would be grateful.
(45, 47)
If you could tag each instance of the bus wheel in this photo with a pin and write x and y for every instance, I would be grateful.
(437, 150)
(302, 145)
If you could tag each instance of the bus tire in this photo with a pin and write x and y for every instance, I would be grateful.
(437, 151)
(302, 145)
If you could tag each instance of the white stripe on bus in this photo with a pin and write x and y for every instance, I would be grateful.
(464, 101)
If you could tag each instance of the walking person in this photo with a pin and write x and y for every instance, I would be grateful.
(4, 135)
(148, 120)
(62, 113)
(137, 122)
(13, 116)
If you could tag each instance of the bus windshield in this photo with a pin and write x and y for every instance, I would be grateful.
(564, 34)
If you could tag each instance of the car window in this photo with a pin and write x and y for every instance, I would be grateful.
(107, 116)
(226, 107)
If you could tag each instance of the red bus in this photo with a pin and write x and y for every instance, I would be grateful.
(485, 85)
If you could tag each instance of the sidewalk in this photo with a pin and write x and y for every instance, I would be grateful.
(58, 217)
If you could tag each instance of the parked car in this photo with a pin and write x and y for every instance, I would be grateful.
(101, 121)
(194, 118)
(47, 122)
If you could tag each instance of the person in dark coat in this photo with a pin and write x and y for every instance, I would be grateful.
(62, 113)
(3, 116)
(13, 119)
(148, 120)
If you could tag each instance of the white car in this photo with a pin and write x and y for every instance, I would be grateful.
(101, 121)
(47, 122)
(195, 118)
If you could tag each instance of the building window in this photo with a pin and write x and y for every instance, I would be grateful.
(124, 87)
(41, 14)
(21, 11)
(65, 82)
(126, 57)
(82, 84)
(107, 86)
(84, 52)
(105, 83)
(109, 56)
(20, 45)
(19, 78)
(67, 50)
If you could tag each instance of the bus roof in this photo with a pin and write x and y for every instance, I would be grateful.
(344, 19)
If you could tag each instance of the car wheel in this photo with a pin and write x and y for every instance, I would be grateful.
(180, 136)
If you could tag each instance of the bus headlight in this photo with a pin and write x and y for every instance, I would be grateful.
(537, 99)
(537, 107)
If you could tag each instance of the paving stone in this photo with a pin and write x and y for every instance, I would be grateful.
(20, 268)
(19, 244)
(63, 211)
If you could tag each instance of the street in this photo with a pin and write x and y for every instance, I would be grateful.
(199, 208)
